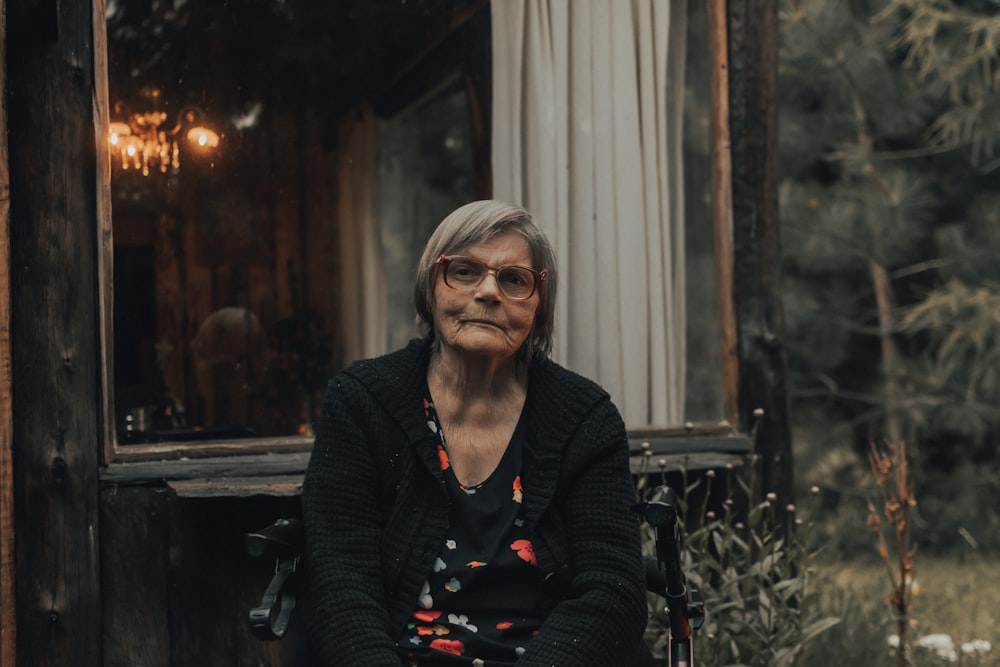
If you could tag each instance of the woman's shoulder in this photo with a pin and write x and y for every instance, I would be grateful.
(567, 397)
(550, 376)
(388, 380)
(390, 387)
(565, 406)
(399, 365)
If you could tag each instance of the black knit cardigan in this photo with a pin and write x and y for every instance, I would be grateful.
(375, 511)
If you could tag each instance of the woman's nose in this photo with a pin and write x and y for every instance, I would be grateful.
(489, 287)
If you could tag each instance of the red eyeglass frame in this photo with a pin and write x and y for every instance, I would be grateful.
(443, 261)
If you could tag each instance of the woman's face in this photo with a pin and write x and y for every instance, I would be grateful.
(484, 321)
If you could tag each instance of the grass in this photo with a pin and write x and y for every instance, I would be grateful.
(770, 601)
(953, 530)
(957, 597)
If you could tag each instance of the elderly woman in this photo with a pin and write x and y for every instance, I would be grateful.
(467, 501)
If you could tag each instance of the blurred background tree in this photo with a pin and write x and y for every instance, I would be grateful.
(890, 207)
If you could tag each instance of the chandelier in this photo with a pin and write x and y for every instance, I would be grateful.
(145, 142)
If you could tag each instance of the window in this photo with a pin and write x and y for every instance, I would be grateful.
(703, 400)
(231, 292)
(229, 275)
(425, 171)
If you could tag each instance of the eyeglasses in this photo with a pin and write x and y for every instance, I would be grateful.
(465, 273)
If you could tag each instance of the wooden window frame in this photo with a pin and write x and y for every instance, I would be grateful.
(675, 445)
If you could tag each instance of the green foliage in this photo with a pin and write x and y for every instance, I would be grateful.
(962, 325)
(890, 223)
(753, 568)
(954, 49)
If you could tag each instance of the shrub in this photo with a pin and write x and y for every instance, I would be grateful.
(752, 565)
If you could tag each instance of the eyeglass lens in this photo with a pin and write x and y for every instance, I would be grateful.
(516, 282)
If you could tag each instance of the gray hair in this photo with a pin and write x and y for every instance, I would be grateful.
(475, 223)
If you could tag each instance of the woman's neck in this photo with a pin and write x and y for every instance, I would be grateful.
(469, 378)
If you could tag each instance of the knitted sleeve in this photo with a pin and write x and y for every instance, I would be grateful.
(346, 618)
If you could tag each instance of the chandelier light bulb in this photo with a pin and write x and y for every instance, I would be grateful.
(203, 137)
(145, 144)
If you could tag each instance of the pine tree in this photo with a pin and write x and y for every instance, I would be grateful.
(890, 224)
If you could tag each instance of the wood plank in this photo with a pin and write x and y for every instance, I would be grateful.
(259, 465)
(238, 487)
(253, 576)
(688, 430)
(8, 624)
(203, 611)
(215, 582)
(763, 405)
(732, 444)
(196, 449)
(178, 584)
(696, 462)
(281, 475)
(135, 548)
(105, 249)
(722, 204)
(56, 405)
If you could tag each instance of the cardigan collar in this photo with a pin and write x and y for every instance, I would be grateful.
(557, 402)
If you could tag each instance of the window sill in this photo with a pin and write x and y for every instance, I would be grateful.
(233, 472)
(692, 447)
(220, 476)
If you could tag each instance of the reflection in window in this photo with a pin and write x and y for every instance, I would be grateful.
(703, 398)
(425, 171)
(228, 277)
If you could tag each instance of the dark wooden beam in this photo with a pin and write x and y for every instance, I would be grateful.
(8, 625)
(54, 337)
(763, 401)
(438, 53)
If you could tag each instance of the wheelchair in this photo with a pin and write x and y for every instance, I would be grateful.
(283, 541)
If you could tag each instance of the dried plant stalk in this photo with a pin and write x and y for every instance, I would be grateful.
(889, 466)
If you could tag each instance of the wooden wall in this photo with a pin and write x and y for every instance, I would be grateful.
(8, 627)
(177, 583)
(51, 103)
(176, 580)
(753, 132)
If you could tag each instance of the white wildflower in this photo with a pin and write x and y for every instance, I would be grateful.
(941, 644)
(977, 646)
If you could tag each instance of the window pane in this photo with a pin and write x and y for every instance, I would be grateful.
(227, 272)
(228, 279)
(425, 171)
(703, 400)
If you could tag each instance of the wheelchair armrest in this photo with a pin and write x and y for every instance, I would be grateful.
(283, 541)
(284, 537)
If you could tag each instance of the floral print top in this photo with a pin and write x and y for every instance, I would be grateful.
(480, 605)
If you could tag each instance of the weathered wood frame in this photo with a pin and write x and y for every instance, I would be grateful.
(7, 597)
(759, 363)
(52, 107)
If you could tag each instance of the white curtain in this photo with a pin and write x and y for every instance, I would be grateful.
(587, 111)
(363, 290)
